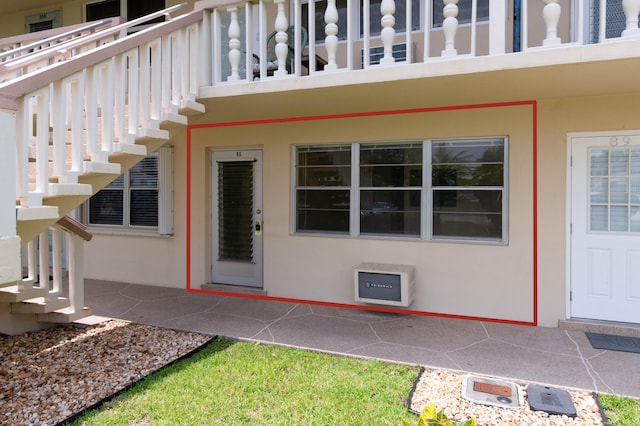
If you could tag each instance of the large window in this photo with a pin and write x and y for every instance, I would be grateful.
(140, 199)
(437, 189)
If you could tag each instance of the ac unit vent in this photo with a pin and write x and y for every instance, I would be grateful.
(398, 51)
(384, 284)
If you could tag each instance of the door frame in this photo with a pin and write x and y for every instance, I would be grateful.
(257, 280)
(569, 199)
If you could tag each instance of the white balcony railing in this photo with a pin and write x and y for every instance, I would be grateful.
(242, 30)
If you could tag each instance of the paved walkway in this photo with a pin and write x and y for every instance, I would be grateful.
(535, 354)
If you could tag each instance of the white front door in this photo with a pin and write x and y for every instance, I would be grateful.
(237, 217)
(605, 228)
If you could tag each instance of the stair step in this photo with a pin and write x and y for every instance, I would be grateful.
(36, 213)
(13, 294)
(64, 316)
(190, 108)
(39, 306)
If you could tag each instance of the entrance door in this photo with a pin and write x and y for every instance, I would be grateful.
(237, 217)
(605, 239)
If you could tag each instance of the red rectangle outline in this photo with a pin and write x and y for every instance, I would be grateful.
(534, 123)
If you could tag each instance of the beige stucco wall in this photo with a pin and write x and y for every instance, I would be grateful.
(451, 278)
(466, 279)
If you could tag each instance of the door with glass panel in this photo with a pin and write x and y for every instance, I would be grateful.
(605, 238)
(237, 217)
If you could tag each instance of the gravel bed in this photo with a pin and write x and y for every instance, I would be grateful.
(444, 388)
(49, 375)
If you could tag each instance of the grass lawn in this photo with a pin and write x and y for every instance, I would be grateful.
(246, 383)
(232, 382)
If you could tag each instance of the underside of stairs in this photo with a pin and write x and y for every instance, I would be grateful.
(74, 135)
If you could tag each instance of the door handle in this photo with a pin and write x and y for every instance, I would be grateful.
(258, 228)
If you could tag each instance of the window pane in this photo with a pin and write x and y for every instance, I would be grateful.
(324, 176)
(635, 162)
(599, 218)
(619, 162)
(391, 165)
(635, 219)
(465, 152)
(144, 208)
(390, 212)
(468, 175)
(106, 208)
(599, 162)
(599, 190)
(619, 219)
(322, 210)
(467, 213)
(464, 11)
(619, 191)
(145, 173)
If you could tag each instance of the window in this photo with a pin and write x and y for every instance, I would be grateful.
(323, 192)
(141, 198)
(464, 12)
(375, 17)
(440, 189)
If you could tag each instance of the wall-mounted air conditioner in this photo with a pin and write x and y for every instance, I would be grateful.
(398, 51)
(384, 284)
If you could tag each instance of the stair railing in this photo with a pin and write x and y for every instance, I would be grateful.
(148, 77)
(53, 252)
(65, 50)
(53, 40)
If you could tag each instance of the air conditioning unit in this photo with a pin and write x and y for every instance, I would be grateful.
(384, 284)
(398, 51)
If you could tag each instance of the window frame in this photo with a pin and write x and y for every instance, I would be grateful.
(164, 190)
(426, 194)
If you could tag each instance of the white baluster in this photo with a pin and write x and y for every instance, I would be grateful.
(631, 10)
(282, 49)
(56, 267)
(43, 260)
(75, 266)
(234, 44)
(551, 14)
(388, 33)
(450, 27)
(331, 30)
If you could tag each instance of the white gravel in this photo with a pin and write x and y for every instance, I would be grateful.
(49, 375)
(444, 388)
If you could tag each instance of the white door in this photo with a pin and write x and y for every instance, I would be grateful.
(605, 231)
(237, 217)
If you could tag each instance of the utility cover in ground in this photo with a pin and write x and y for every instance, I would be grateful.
(488, 391)
(552, 400)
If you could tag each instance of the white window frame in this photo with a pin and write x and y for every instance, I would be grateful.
(165, 202)
(426, 214)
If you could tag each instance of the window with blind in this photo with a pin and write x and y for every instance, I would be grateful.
(141, 198)
(433, 189)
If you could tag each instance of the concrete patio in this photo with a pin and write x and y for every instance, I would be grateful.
(560, 357)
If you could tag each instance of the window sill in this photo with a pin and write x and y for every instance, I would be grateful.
(127, 232)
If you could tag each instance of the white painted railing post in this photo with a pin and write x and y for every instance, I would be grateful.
(282, 49)
(43, 261)
(388, 33)
(551, 14)
(9, 240)
(75, 266)
(450, 27)
(631, 10)
(234, 44)
(497, 28)
(56, 267)
(331, 30)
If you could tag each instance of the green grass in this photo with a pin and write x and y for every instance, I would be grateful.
(238, 383)
(231, 383)
(620, 411)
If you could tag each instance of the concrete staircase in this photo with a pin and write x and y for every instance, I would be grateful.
(76, 126)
